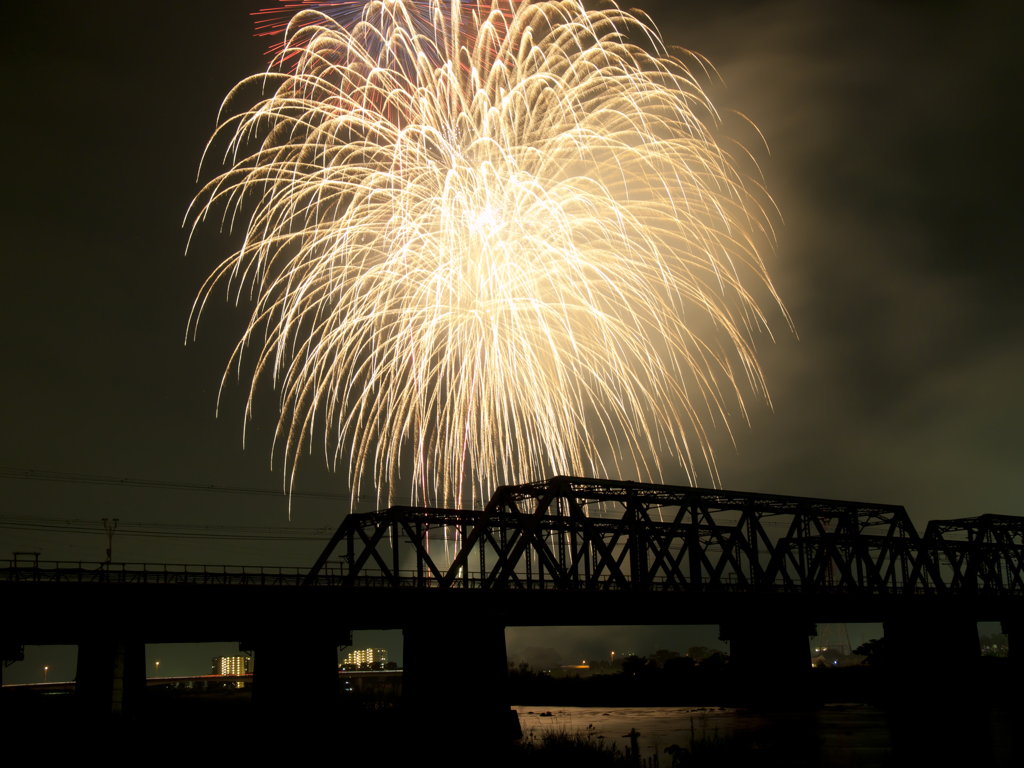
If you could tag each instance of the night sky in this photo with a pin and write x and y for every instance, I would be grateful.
(895, 161)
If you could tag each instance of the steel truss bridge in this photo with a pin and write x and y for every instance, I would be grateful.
(567, 551)
(571, 533)
(631, 542)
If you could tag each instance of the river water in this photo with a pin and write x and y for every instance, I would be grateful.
(836, 735)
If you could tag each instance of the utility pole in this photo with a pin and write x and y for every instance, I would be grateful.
(109, 526)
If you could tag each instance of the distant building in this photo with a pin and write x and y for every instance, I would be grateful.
(365, 658)
(231, 665)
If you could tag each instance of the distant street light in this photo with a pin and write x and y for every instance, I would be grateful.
(45, 670)
(158, 669)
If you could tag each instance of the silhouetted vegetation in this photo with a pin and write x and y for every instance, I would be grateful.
(668, 679)
(699, 652)
(874, 653)
(562, 747)
(995, 645)
(665, 679)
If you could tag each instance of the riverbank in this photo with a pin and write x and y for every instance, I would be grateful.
(932, 732)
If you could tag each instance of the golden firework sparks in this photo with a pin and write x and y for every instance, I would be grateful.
(491, 255)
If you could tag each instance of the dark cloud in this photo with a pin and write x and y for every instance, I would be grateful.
(894, 165)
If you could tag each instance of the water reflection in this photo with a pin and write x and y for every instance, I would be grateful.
(836, 735)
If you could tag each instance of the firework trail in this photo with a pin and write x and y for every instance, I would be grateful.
(497, 255)
(380, 19)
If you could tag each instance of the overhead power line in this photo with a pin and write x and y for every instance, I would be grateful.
(164, 530)
(127, 482)
(12, 473)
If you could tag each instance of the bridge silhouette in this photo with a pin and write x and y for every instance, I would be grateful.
(566, 551)
(580, 534)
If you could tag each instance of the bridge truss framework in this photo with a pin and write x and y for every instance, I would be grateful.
(570, 533)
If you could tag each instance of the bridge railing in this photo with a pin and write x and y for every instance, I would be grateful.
(154, 573)
(730, 583)
(335, 576)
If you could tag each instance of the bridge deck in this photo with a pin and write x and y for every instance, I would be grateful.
(568, 551)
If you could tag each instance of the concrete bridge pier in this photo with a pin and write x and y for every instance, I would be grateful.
(933, 651)
(770, 662)
(1013, 628)
(111, 676)
(294, 675)
(455, 681)
(929, 678)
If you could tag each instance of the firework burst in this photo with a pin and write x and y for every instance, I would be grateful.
(373, 21)
(515, 252)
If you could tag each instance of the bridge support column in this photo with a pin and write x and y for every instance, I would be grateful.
(111, 676)
(455, 678)
(295, 675)
(933, 645)
(1014, 630)
(770, 662)
(932, 651)
(929, 678)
